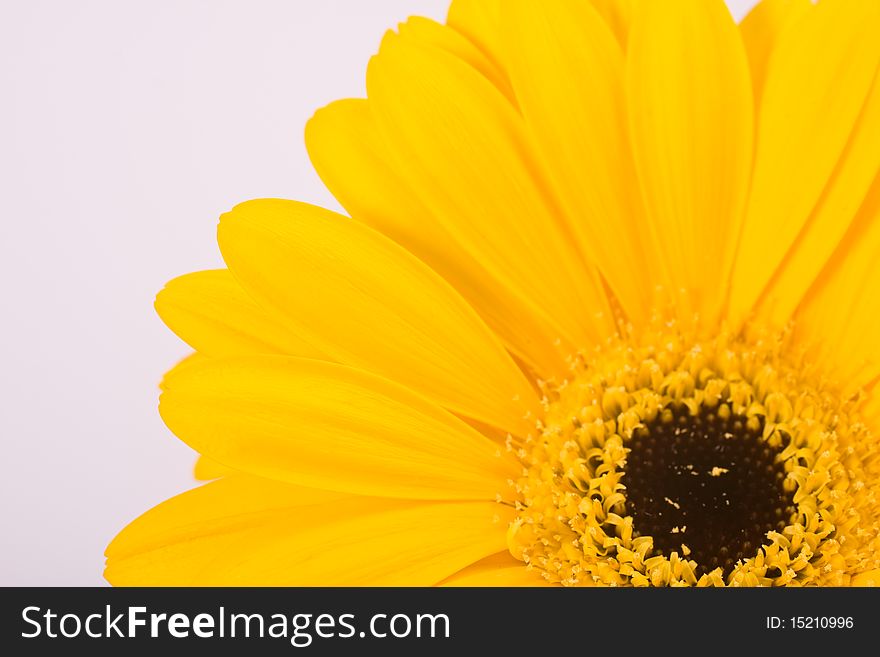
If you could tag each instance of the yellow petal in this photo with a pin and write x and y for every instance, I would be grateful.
(207, 468)
(244, 531)
(840, 315)
(497, 570)
(480, 22)
(462, 148)
(322, 425)
(365, 301)
(430, 32)
(760, 31)
(827, 224)
(213, 314)
(690, 112)
(818, 78)
(353, 162)
(618, 16)
(567, 71)
(204, 510)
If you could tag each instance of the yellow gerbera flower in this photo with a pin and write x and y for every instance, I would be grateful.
(606, 312)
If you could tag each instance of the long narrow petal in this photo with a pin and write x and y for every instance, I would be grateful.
(365, 301)
(760, 31)
(828, 65)
(462, 148)
(212, 313)
(207, 468)
(430, 32)
(618, 15)
(480, 22)
(690, 112)
(841, 313)
(323, 425)
(826, 226)
(243, 531)
(349, 155)
(567, 71)
(497, 570)
(203, 510)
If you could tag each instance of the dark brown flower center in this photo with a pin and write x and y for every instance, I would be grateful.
(708, 482)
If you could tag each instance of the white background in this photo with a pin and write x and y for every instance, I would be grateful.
(126, 128)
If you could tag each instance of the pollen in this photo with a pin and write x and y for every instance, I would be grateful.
(733, 443)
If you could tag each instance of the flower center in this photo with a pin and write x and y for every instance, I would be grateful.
(670, 460)
(706, 484)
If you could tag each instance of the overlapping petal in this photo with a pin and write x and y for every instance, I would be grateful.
(577, 117)
(497, 570)
(355, 164)
(690, 112)
(365, 301)
(761, 30)
(840, 316)
(249, 531)
(324, 425)
(818, 79)
(212, 313)
(461, 147)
